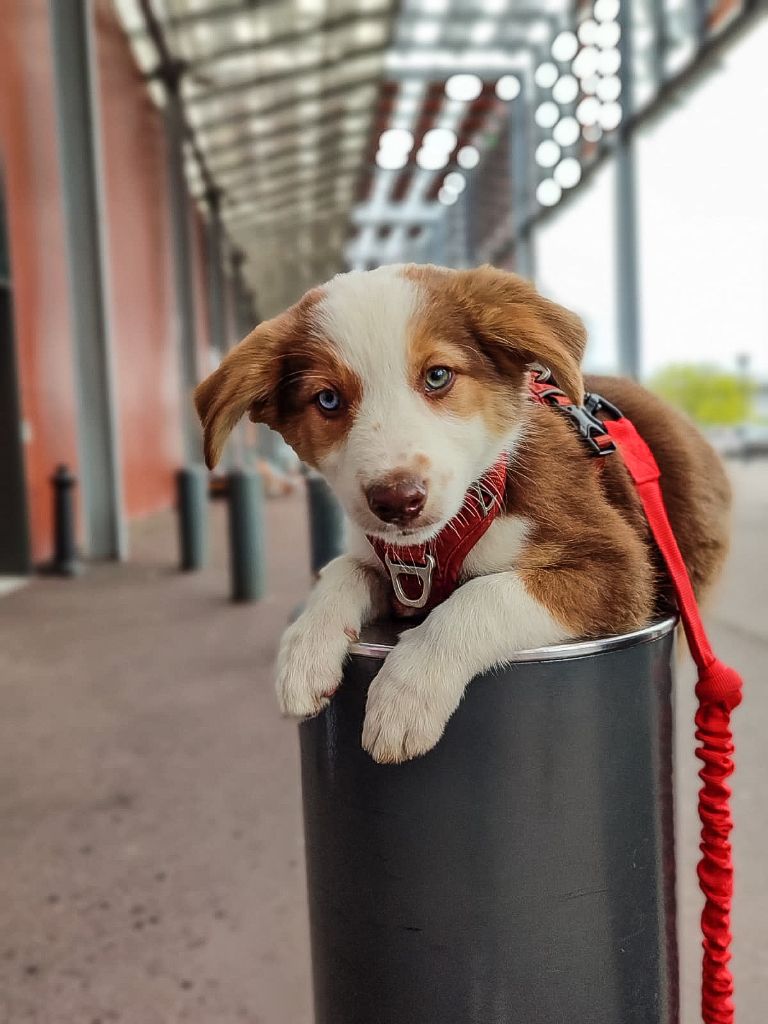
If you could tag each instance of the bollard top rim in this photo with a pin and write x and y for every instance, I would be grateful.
(378, 639)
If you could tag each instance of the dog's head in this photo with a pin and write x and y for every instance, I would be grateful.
(402, 385)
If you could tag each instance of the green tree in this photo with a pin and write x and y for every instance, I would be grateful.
(710, 396)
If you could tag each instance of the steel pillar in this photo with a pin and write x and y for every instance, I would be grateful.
(521, 172)
(626, 232)
(71, 27)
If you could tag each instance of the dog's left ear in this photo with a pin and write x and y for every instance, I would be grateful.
(519, 324)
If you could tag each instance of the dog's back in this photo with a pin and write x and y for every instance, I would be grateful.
(696, 490)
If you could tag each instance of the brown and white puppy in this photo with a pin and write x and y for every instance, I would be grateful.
(403, 385)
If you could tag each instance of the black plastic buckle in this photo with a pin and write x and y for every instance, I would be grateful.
(589, 427)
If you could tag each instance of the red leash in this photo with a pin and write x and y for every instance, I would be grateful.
(719, 691)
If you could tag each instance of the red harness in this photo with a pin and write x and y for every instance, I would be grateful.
(423, 575)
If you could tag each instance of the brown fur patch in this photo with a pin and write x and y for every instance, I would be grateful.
(307, 369)
(513, 324)
(589, 558)
(441, 336)
(274, 375)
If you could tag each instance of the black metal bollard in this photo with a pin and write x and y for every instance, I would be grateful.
(246, 535)
(192, 508)
(522, 872)
(65, 560)
(326, 523)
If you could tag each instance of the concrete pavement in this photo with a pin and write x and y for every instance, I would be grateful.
(150, 839)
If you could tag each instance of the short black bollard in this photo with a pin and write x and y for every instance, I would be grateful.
(192, 508)
(523, 870)
(65, 561)
(246, 535)
(326, 523)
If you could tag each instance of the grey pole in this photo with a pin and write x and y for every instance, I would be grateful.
(192, 512)
(521, 170)
(246, 535)
(77, 141)
(217, 318)
(522, 871)
(626, 232)
(326, 523)
(181, 242)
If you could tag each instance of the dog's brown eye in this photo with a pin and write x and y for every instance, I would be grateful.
(438, 377)
(328, 400)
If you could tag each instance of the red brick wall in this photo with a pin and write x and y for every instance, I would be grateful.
(30, 167)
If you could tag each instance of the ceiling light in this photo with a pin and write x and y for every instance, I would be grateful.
(508, 87)
(549, 192)
(400, 140)
(391, 159)
(440, 139)
(545, 75)
(609, 62)
(587, 32)
(547, 114)
(434, 6)
(482, 32)
(539, 32)
(589, 84)
(425, 32)
(430, 159)
(566, 132)
(609, 89)
(606, 10)
(610, 116)
(608, 35)
(565, 89)
(567, 174)
(547, 153)
(455, 182)
(592, 132)
(565, 46)
(468, 157)
(585, 63)
(463, 87)
(446, 197)
(588, 111)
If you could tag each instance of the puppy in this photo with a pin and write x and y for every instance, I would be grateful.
(402, 386)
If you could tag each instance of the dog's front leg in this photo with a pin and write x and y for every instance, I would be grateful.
(423, 679)
(313, 649)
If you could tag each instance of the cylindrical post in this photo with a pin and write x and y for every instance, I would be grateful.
(521, 871)
(246, 535)
(192, 508)
(326, 523)
(65, 561)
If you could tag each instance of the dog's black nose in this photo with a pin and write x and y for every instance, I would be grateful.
(398, 499)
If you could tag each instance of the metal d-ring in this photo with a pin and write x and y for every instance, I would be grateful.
(421, 572)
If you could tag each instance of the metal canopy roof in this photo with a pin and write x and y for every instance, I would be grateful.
(341, 133)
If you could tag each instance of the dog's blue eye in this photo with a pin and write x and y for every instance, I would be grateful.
(438, 377)
(328, 400)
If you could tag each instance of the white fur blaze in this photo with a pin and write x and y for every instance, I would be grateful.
(313, 649)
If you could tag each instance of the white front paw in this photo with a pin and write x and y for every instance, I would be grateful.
(409, 704)
(310, 663)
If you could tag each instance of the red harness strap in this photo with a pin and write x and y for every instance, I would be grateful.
(719, 691)
(424, 575)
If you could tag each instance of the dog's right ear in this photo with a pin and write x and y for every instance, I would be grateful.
(244, 381)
